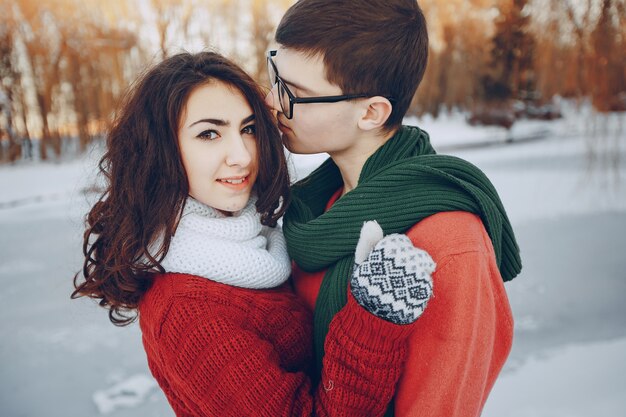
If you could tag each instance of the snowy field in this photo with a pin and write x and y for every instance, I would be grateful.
(563, 183)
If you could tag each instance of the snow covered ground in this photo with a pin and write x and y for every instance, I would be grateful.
(568, 205)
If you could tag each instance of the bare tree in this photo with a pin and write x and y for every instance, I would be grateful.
(44, 45)
(459, 32)
(262, 34)
(581, 23)
(170, 13)
(65, 63)
(9, 77)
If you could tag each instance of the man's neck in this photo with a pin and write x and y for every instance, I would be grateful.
(350, 161)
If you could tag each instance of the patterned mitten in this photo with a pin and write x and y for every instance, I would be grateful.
(391, 277)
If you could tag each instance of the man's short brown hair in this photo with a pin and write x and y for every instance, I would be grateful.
(378, 47)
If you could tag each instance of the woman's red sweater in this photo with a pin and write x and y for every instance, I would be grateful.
(218, 350)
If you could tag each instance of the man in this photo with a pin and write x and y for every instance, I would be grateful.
(343, 78)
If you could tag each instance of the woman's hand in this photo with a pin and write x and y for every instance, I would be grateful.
(391, 278)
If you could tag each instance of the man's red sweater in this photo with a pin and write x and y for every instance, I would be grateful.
(460, 343)
(218, 350)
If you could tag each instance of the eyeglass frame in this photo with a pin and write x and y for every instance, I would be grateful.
(304, 100)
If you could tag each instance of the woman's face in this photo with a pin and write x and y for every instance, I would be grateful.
(218, 146)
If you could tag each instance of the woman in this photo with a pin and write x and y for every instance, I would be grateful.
(185, 234)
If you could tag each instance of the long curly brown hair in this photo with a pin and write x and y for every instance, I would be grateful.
(146, 183)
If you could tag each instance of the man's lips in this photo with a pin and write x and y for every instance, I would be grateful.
(282, 127)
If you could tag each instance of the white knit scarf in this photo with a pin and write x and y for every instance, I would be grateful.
(235, 250)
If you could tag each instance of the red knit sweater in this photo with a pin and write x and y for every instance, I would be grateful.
(218, 350)
(462, 340)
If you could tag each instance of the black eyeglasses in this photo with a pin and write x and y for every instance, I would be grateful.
(287, 99)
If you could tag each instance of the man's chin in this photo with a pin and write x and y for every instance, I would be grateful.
(287, 138)
(297, 150)
(288, 144)
(293, 145)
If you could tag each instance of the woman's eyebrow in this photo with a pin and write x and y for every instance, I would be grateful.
(220, 122)
(217, 122)
(247, 120)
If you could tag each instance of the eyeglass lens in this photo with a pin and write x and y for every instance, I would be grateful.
(283, 96)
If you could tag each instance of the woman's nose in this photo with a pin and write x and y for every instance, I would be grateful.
(238, 153)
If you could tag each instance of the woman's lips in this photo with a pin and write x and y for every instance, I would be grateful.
(234, 183)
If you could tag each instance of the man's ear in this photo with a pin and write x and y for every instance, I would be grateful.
(376, 111)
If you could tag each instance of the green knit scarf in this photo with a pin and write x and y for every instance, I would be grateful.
(403, 182)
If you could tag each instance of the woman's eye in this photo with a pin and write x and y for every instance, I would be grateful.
(249, 130)
(208, 135)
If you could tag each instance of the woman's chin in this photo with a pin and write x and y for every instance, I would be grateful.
(232, 207)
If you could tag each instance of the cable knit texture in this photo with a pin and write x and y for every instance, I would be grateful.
(235, 250)
(218, 350)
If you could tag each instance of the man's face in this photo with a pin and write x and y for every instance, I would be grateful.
(314, 127)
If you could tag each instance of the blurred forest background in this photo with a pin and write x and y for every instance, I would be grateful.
(65, 63)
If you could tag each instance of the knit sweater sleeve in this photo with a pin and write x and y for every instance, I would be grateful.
(220, 368)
